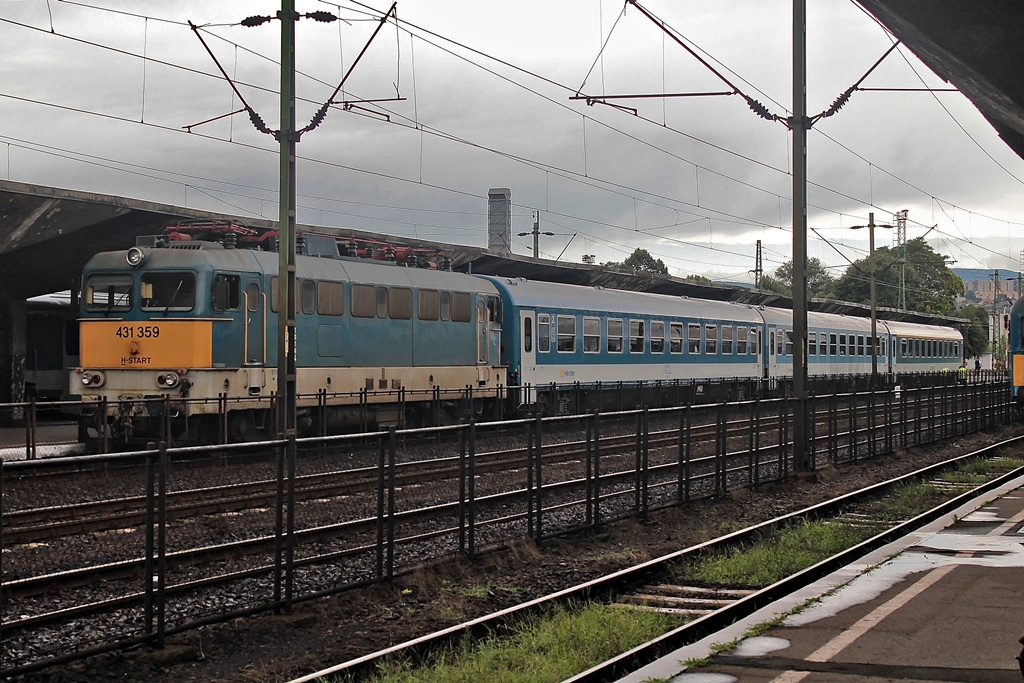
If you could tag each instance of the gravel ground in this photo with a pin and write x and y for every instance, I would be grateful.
(329, 631)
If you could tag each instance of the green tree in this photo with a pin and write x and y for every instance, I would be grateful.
(819, 280)
(697, 278)
(976, 335)
(641, 261)
(930, 285)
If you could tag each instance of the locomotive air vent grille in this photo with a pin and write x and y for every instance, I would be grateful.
(193, 246)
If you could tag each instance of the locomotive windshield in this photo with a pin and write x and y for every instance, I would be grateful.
(163, 291)
(108, 292)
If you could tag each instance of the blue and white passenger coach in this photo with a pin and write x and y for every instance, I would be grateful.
(560, 334)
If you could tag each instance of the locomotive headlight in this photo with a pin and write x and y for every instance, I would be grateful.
(135, 257)
(168, 380)
(93, 378)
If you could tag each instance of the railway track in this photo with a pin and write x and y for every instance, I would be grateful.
(711, 609)
(49, 522)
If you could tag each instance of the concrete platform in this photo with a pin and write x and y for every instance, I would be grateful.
(945, 603)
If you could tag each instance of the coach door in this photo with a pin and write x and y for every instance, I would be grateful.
(773, 369)
(255, 325)
(527, 353)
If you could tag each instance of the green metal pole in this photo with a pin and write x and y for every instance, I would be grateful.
(286, 228)
(801, 462)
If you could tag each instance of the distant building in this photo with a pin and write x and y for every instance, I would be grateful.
(980, 285)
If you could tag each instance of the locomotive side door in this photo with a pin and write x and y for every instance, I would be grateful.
(255, 324)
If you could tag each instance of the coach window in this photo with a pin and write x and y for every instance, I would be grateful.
(903, 348)
(779, 343)
(860, 344)
(693, 338)
(308, 296)
(741, 341)
(842, 345)
(591, 335)
(727, 340)
(675, 337)
(527, 334)
(615, 335)
(363, 301)
(163, 291)
(754, 341)
(710, 340)
(812, 343)
(225, 294)
(833, 346)
(462, 307)
(789, 342)
(429, 304)
(657, 336)
(636, 337)
(400, 306)
(566, 333)
(544, 332)
(108, 293)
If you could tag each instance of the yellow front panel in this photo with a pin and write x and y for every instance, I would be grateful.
(1018, 370)
(147, 344)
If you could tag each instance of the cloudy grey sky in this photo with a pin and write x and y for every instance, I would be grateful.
(98, 95)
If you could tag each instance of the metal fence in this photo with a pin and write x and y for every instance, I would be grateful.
(201, 535)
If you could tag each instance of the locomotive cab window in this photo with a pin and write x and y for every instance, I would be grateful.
(225, 294)
(163, 291)
(495, 312)
(108, 293)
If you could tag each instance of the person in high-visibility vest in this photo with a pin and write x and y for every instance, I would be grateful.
(962, 372)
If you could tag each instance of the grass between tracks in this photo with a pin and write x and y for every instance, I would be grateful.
(553, 647)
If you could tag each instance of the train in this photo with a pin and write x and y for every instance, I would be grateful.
(177, 339)
(1015, 349)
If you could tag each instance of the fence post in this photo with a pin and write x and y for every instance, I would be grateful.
(391, 503)
(30, 430)
(472, 487)
(597, 468)
(538, 463)
(148, 576)
(161, 549)
(721, 452)
(531, 426)
(380, 504)
(462, 488)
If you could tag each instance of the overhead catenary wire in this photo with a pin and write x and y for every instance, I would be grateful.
(671, 199)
